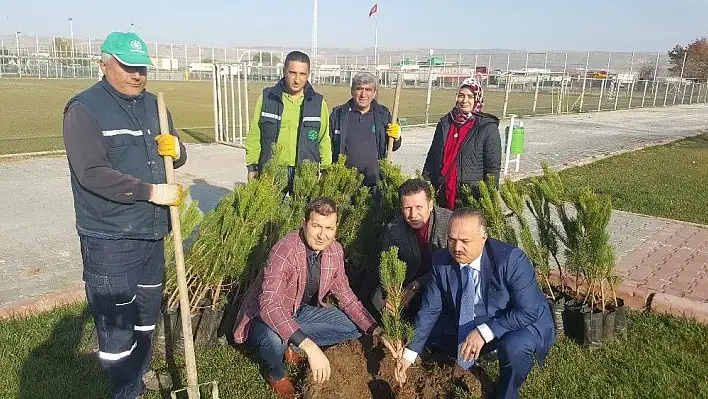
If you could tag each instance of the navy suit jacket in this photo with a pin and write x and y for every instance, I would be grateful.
(511, 295)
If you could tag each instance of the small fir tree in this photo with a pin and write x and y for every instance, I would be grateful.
(397, 332)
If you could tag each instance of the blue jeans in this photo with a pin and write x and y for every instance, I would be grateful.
(324, 326)
(123, 280)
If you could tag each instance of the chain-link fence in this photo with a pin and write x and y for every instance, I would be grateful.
(521, 83)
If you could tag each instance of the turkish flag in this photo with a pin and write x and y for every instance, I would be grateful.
(373, 9)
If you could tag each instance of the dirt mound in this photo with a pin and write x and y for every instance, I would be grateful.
(361, 374)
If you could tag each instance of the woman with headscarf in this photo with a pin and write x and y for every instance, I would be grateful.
(466, 147)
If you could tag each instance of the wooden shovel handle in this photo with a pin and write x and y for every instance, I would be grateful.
(184, 308)
(394, 115)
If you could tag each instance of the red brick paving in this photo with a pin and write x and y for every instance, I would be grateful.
(672, 264)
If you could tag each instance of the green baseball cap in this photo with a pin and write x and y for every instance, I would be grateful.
(128, 48)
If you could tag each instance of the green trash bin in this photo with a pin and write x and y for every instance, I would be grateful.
(517, 140)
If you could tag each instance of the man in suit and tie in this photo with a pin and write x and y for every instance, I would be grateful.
(285, 305)
(483, 296)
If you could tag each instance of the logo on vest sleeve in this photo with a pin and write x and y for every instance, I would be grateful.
(312, 135)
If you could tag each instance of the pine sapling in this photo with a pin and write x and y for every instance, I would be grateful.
(490, 204)
(391, 179)
(397, 332)
(568, 234)
(540, 208)
(595, 253)
(355, 232)
(513, 197)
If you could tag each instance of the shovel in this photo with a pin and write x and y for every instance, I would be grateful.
(394, 114)
(189, 356)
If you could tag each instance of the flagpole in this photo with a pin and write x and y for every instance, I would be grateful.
(376, 40)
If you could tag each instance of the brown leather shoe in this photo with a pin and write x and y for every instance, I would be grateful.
(283, 387)
(292, 358)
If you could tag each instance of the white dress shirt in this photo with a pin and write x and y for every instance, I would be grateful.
(483, 329)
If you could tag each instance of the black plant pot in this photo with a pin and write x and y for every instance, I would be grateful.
(208, 328)
(167, 338)
(608, 325)
(557, 308)
(620, 327)
(583, 324)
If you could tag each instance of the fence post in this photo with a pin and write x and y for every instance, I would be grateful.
(644, 96)
(430, 87)
(655, 83)
(17, 45)
(215, 93)
(245, 90)
(585, 80)
(545, 68)
(535, 95)
(240, 107)
(186, 59)
(508, 83)
(631, 85)
(604, 82)
(683, 67)
(227, 73)
(693, 85)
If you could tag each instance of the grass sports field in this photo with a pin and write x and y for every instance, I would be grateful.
(32, 108)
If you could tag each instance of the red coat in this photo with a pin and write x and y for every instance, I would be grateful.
(276, 294)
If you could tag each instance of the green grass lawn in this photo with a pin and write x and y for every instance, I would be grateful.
(44, 356)
(32, 108)
(666, 181)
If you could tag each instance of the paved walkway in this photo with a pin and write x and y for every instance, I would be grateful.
(40, 265)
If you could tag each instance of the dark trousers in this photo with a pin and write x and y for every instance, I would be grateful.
(324, 326)
(515, 351)
(123, 280)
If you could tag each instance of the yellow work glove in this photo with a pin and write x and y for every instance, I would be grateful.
(167, 194)
(393, 130)
(167, 145)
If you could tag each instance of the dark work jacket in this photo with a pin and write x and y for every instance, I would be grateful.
(400, 234)
(339, 121)
(128, 125)
(479, 157)
(308, 144)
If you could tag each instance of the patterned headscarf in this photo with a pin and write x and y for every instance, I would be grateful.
(478, 98)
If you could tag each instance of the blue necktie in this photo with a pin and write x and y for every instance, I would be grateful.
(467, 303)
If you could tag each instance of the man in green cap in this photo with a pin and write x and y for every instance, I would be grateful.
(121, 199)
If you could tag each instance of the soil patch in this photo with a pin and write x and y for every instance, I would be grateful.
(358, 373)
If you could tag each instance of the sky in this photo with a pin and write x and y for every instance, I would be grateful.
(541, 25)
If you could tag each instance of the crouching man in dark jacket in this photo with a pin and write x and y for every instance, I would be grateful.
(418, 232)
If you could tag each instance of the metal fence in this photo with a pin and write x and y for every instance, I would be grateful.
(529, 83)
(68, 57)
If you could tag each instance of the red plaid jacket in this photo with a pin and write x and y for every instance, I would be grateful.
(276, 294)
